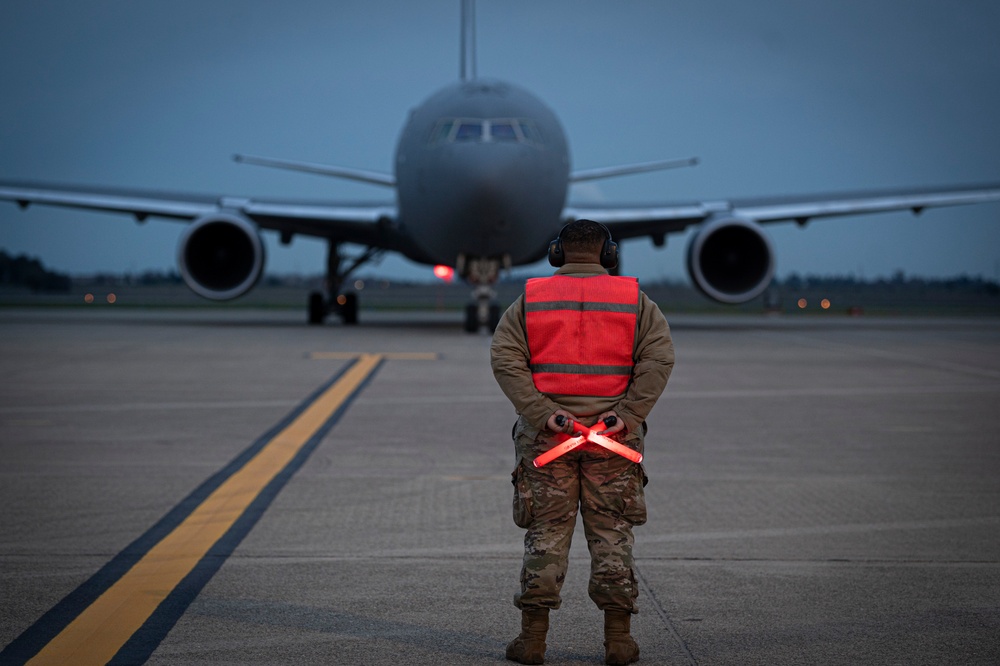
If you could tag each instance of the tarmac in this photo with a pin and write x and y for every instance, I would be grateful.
(823, 490)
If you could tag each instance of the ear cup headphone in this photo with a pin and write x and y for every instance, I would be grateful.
(609, 251)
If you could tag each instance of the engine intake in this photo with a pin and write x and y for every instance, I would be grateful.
(221, 256)
(730, 260)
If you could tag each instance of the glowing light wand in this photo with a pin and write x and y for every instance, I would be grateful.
(587, 435)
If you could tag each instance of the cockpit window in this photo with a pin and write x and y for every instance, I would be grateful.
(528, 131)
(491, 130)
(469, 131)
(443, 131)
(502, 130)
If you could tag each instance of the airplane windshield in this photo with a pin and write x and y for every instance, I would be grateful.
(492, 130)
(469, 131)
(443, 131)
(528, 131)
(502, 130)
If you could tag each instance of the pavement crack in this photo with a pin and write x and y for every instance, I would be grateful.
(664, 616)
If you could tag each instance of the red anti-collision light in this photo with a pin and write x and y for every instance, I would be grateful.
(446, 273)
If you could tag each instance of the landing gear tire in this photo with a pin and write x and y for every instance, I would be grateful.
(494, 317)
(471, 318)
(474, 317)
(482, 272)
(349, 308)
(317, 308)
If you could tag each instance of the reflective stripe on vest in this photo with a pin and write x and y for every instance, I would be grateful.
(581, 333)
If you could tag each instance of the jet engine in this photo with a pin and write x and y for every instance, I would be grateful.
(221, 256)
(730, 259)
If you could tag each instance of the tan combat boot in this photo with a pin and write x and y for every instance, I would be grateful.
(529, 646)
(619, 646)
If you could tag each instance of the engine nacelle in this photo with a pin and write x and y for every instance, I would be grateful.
(730, 259)
(221, 256)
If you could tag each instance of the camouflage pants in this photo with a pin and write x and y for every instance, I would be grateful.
(607, 490)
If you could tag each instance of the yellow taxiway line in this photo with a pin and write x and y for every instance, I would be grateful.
(392, 356)
(100, 631)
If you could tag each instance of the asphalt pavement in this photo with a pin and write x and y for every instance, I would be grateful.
(823, 490)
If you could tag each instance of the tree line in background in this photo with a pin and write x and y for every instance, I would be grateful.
(963, 283)
(25, 271)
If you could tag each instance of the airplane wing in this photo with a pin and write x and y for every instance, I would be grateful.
(730, 258)
(369, 224)
(657, 220)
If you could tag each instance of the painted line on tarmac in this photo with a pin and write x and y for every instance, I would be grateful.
(125, 610)
(392, 356)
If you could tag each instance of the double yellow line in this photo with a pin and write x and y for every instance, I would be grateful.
(100, 631)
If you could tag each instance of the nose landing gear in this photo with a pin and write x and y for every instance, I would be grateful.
(481, 273)
(485, 311)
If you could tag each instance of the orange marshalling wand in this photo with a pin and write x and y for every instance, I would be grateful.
(587, 435)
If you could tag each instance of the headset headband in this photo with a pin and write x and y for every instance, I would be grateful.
(609, 250)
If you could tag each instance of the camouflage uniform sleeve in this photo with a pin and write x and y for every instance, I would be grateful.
(510, 359)
(654, 360)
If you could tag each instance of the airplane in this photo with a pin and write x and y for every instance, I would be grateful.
(481, 177)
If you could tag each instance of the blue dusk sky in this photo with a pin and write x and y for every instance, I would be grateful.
(775, 97)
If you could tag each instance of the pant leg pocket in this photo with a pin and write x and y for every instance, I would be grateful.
(635, 497)
(524, 511)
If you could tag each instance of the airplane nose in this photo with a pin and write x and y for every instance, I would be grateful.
(482, 200)
(492, 190)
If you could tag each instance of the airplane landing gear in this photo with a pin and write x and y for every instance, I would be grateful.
(318, 307)
(345, 305)
(484, 310)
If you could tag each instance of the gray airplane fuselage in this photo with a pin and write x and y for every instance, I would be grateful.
(482, 171)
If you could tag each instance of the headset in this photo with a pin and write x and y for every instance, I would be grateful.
(609, 251)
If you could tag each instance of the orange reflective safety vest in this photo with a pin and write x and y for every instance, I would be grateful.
(581, 333)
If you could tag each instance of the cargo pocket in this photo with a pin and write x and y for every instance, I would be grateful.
(635, 497)
(523, 501)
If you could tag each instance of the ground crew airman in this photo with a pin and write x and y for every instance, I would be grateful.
(586, 346)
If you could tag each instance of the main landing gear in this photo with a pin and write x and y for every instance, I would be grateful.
(344, 305)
